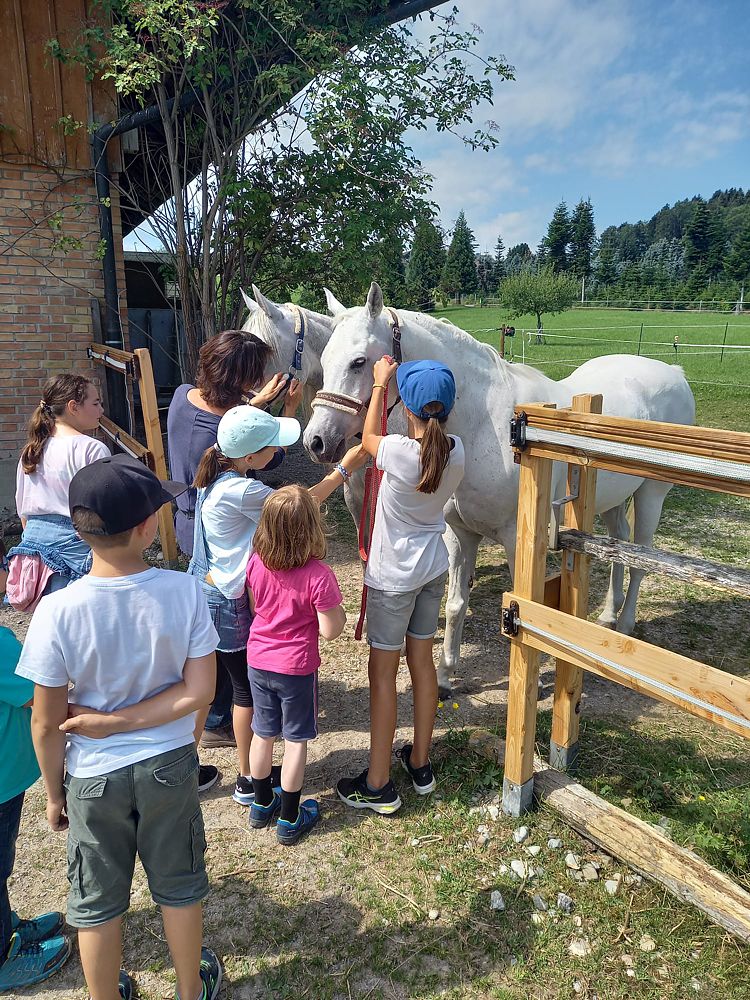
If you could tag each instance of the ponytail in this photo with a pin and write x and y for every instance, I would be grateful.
(435, 455)
(56, 394)
(211, 466)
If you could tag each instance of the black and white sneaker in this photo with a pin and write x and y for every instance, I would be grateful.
(208, 775)
(422, 778)
(355, 792)
(243, 787)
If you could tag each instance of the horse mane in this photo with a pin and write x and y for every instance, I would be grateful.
(261, 326)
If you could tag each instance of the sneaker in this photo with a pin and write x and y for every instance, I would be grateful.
(243, 787)
(221, 737)
(210, 974)
(308, 816)
(36, 929)
(263, 816)
(355, 792)
(208, 775)
(125, 986)
(26, 966)
(422, 778)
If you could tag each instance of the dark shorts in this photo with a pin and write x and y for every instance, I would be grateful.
(235, 665)
(149, 809)
(285, 705)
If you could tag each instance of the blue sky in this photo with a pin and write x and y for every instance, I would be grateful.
(632, 103)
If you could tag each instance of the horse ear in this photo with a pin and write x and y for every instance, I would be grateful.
(251, 304)
(269, 308)
(334, 306)
(375, 300)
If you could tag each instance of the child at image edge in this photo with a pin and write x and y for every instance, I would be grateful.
(406, 571)
(138, 645)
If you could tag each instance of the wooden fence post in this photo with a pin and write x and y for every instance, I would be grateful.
(534, 499)
(574, 600)
(152, 427)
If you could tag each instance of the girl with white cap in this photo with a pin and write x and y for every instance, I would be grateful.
(406, 570)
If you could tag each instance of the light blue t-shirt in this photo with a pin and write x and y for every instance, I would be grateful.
(18, 766)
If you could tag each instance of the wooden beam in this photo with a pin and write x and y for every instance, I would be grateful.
(707, 442)
(574, 600)
(640, 845)
(125, 441)
(152, 426)
(689, 569)
(664, 675)
(125, 357)
(534, 498)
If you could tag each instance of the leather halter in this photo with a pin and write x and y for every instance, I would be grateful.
(295, 368)
(353, 404)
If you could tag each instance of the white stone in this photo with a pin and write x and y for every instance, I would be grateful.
(537, 918)
(414, 842)
(503, 869)
(612, 885)
(483, 839)
(494, 813)
(633, 879)
(630, 973)
(695, 985)
(580, 947)
(578, 921)
(496, 900)
(572, 861)
(554, 843)
(577, 986)
(518, 868)
(482, 829)
(533, 850)
(433, 914)
(564, 902)
(647, 943)
(521, 834)
(589, 872)
(627, 961)
(539, 903)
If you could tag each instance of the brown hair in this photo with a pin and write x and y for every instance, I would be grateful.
(56, 394)
(435, 451)
(90, 527)
(228, 364)
(210, 467)
(290, 532)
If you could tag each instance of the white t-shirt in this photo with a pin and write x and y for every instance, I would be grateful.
(45, 491)
(407, 548)
(230, 516)
(119, 641)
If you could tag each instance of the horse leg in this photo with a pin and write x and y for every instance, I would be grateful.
(617, 524)
(462, 545)
(648, 501)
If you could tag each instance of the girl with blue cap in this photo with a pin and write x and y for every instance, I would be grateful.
(406, 570)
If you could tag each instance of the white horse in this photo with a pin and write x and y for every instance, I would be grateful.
(488, 389)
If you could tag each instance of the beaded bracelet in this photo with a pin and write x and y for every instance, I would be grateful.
(342, 471)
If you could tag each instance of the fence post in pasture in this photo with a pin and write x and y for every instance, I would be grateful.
(534, 500)
(152, 428)
(724, 341)
(640, 338)
(574, 600)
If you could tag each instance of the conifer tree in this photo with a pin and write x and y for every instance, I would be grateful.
(583, 236)
(698, 237)
(498, 271)
(460, 271)
(426, 262)
(558, 238)
(737, 261)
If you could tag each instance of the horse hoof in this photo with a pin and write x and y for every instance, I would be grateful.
(444, 694)
(625, 628)
(607, 622)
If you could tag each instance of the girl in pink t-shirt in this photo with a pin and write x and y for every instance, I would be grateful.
(296, 599)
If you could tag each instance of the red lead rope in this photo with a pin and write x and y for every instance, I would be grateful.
(373, 477)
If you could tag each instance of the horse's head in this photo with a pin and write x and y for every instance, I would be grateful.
(361, 336)
(279, 326)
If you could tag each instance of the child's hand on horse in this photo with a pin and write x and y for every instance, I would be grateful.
(293, 397)
(355, 458)
(383, 370)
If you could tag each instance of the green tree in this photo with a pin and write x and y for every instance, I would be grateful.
(485, 264)
(538, 292)
(460, 270)
(717, 245)
(737, 261)
(605, 272)
(498, 270)
(583, 238)
(557, 240)
(519, 257)
(426, 262)
(698, 238)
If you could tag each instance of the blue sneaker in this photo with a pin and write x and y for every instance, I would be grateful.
(263, 816)
(125, 986)
(307, 817)
(26, 966)
(210, 972)
(36, 929)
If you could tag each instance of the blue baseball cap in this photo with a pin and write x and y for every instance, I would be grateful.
(244, 430)
(423, 382)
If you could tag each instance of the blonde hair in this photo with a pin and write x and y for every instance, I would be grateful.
(290, 532)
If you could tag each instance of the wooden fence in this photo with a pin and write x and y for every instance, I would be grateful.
(137, 368)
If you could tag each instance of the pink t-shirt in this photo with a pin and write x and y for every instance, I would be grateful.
(284, 630)
(45, 491)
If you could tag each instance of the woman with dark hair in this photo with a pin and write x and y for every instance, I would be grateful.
(230, 368)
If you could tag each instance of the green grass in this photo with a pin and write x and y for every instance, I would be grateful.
(617, 331)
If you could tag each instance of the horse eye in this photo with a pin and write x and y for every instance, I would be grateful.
(358, 363)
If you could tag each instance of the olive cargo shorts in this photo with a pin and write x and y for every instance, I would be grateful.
(150, 809)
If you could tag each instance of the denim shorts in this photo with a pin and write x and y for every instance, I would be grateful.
(149, 809)
(392, 616)
(284, 705)
(231, 618)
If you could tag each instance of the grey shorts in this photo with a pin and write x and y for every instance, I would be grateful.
(392, 616)
(284, 705)
(150, 809)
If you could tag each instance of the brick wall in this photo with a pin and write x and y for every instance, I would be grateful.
(45, 290)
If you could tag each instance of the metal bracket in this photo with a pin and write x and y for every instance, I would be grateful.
(511, 619)
(574, 478)
(518, 434)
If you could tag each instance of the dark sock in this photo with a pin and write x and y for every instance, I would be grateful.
(263, 789)
(290, 805)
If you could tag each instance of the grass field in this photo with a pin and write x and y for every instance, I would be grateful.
(721, 387)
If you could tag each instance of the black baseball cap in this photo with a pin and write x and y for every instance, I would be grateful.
(121, 490)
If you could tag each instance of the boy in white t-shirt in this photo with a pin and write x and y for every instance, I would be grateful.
(137, 644)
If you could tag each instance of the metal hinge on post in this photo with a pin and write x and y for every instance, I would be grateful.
(574, 478)
(511, 619)
(518, 435)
